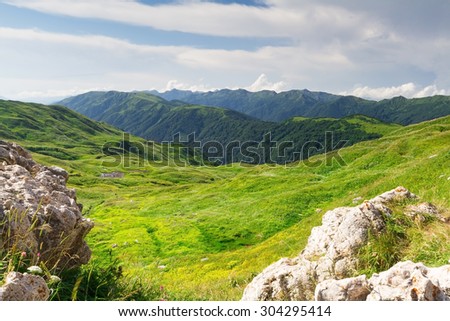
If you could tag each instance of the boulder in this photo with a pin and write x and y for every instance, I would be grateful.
(405, 281)
(24, 287)
(287, 279)
(441, 277)
(351, 289)
(421, 211)
(331, 251)
(40, 214)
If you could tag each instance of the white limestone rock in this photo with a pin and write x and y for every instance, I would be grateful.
(351, 289)
(24, 287)
(407, 281)
(331, 251)
(35, 197)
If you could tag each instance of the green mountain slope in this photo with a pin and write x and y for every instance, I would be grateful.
(271, 106)
(265, 105)
(134, 112)
(53, 130)
(396, 110)
(98, 103)
(153, 118)
(58, 133)
(36, 122)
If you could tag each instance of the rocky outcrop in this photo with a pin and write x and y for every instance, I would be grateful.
(421, 211)
(24, 287)
(330, 254)
(39, 213)
(351, 289)
(405, 281)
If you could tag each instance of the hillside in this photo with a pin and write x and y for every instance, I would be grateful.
(152, 118)
(56, 132)
(272, 106)
(265, 105)
(207, 238)
(36, 122)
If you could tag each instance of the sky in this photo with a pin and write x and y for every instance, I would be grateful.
(51, 49)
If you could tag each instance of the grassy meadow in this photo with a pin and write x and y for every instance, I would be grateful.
(204, 233)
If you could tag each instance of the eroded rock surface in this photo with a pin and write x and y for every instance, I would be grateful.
(24, 287)
(405, 281)
(35, 198)
(351, 289)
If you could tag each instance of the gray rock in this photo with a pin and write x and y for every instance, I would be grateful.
(405, 281)
(420, 211)
(351, 289)
(441, 277)
(331, 251)
(35, 198)
(287, 279)
(24, 287)
(397, 194)
(58, 171)
(4, 155)
(343, 231)
(408, 281)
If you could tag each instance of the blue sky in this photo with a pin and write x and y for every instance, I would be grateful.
(50, 49)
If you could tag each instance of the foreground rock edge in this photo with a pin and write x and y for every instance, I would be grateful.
(41, 219)
(322, 269)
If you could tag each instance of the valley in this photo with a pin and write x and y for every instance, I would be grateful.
(156, 119)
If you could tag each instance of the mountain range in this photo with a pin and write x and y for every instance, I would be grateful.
(271, 106)
(160, 120)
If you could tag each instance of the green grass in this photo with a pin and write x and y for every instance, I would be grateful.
(406, 238)
(372, 125)
(249, 217)
(202, 233)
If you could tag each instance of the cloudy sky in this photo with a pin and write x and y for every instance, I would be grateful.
(51, 49)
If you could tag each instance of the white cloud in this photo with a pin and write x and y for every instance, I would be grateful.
(175, 84)
(431, 90)
(287, 58)
(409, 90)
(201, 17)
(97, 41)
(51, 96)
(263, 83)
(46, 61)
(45, 66)
(329, 46)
